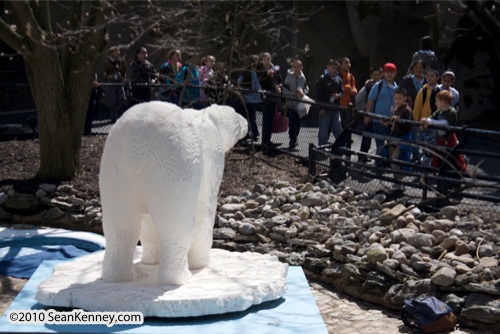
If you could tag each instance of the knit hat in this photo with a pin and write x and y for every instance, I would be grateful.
(389, 67)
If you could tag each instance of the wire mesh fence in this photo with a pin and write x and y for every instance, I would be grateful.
(341, 161)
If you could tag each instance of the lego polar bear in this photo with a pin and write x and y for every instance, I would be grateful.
(160, 174)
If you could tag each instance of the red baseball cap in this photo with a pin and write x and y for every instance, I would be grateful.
(389, 67)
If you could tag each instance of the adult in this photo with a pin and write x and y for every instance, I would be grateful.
(142, 75)
(295, 85)
(270, 81)
(93, 108)
(115, 70)
(425, 54)
(329, 90)
(249, 81)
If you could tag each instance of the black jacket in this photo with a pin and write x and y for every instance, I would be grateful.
(326, 86)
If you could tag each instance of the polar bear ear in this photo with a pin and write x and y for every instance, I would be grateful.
(231, 125)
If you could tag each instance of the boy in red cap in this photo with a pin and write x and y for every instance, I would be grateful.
(381, 102)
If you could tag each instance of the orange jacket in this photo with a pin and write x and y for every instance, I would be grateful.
(348, 82)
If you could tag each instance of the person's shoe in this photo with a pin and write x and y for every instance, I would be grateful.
(271, 144)
(292, 145)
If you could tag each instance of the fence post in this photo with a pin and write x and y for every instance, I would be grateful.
(312, 161)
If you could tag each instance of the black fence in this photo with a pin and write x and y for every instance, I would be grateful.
(477, 189)
(341, 161)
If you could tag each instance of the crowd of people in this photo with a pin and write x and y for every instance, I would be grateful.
(199, 81)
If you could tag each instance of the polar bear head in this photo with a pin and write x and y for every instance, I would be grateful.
(232, 126)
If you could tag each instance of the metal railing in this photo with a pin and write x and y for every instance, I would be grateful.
(341, 161)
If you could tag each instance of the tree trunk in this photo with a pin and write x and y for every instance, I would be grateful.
(61, 98)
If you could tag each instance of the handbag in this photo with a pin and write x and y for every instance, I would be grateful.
(280, 121)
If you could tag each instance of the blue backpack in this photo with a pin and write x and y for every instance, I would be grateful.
(428, 314)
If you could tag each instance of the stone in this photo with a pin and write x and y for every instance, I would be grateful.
(224, 233)
(444, 277)
(247, 229)
(461, 248)
(481, 308)
(489, 262)
(376, 254)
(393, 213)
(403, 234)
(449, 243)
(486, 250)
(23, 204)
(4, 215)
(3, 198)
(314, 199)
(420, 240)
(391, 263)
(318, 251)
(438, 224)
(232, 208)
(64, 188)
(448, 212)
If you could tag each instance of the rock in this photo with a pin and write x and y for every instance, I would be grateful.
(4, 215)
(438, 224)
(449, 243)
(318, 251)
(247, 229)
(314, 199)
(448, 212)
(401, 235)
(52, 213)
(444, 277)
(24, 204)
(64, 188)
(391, 263)
(420, 240)
(232, 208)
(379, 198)
(224, 233)
(393, 213)
(3, 198)
(486, 250)
(376, 254)
(49, 188)
(259, 188)
(466, 278)
(481, 308)
(489, 262)
(461, 248)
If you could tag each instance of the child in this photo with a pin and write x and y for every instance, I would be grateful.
(424, 108)
(189, 76)
(329, 90)
(206, 73)
(361, 99)
(413, 83)
(295, 85)
(168, 71)
(445, 115)
(380, 102)
(348, 81)
(447, 81)
(400, 130)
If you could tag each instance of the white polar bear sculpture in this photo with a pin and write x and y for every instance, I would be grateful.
(160, 174)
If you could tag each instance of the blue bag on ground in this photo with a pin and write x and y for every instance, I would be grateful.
(428, 314)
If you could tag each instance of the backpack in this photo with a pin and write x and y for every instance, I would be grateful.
(428, 314)
(379, 86)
